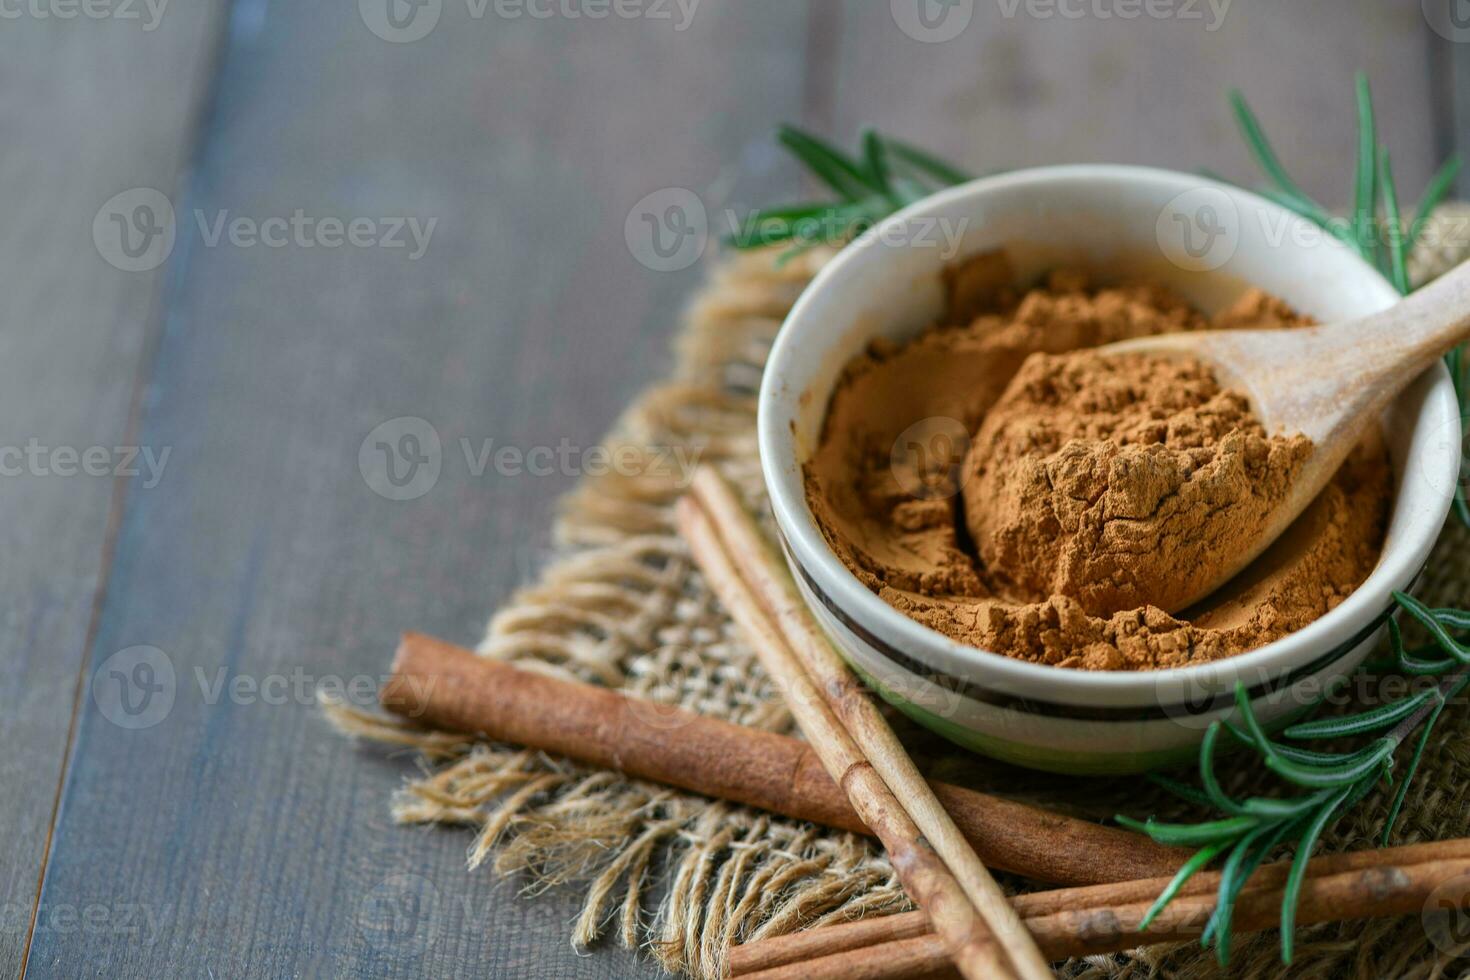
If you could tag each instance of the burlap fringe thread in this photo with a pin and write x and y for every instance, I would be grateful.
(685, 876)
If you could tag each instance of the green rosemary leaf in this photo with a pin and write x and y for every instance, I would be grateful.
(926, 163)
(790, 212)
(1357, 766)
(1195, 864)
(1278, 809)
(1363, 723)
(1242, 863)
(1455, 619)
(831, 165)
(1403, 790)
(1260, 148)
(1422, 613)
(770, 227)
(875, 157)
(1365, 203)
(1396, 252)
(1439, 186)
(1216, 795)
(1304, 849)
(1181, 790)
(1407, 661)
(1308, 757)
(1191, 834)
(1257, 735)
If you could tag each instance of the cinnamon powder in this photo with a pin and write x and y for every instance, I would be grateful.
(992, 546)
(1120, 481)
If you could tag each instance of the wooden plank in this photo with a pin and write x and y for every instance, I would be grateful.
(1012, 89)
(89, 108)
(247, 839)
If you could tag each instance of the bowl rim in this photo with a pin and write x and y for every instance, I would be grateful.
(807, 550)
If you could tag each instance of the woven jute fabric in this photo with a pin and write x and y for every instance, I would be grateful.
(682, 876)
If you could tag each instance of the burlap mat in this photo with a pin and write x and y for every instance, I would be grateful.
(683, 876)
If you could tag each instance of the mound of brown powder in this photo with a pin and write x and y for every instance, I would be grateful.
(889, 476)
(1120, 481)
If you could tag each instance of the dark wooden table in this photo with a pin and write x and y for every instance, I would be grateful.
(172, 803)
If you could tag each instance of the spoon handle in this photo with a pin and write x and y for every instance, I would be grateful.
(1397, 344)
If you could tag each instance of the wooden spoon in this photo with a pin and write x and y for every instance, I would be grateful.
(1327, 382)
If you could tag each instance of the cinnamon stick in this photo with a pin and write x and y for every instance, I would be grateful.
(1364, 892)
(815, 660)
(863, 934)
(980, 944)
(449, 687)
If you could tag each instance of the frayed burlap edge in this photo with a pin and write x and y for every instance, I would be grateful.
(684, 876)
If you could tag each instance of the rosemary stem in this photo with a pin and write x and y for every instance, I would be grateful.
(1449, 686)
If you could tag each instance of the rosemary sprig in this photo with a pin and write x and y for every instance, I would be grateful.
(1376, 228)
(1249, 830)
(888, 174)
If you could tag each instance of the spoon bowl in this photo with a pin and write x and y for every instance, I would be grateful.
(1327, 382)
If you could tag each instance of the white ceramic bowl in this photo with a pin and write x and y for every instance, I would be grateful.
(888, 284)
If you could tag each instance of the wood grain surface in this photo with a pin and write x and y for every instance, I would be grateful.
(219, 828)
(88, 110)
